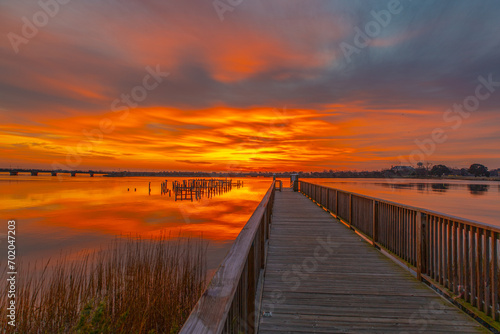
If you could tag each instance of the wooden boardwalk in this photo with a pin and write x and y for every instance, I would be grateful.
(321, 277)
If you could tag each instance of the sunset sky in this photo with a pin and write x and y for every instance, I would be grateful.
(260, 85)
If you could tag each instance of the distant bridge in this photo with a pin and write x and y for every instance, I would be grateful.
(35, 172)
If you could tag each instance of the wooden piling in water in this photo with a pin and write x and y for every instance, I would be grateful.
(195, 189)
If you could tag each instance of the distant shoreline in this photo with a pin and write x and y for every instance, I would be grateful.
(346, 175)
(451, 177)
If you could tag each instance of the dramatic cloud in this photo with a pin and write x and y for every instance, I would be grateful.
(279, 84)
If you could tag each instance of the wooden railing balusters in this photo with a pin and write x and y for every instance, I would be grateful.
(494, 276)
(459, 255)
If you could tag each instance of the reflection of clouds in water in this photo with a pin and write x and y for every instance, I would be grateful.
(104, 207)
(38, 245)
(84, 214)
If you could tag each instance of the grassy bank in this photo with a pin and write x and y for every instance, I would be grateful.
(134, 286)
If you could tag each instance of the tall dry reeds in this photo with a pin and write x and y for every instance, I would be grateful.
(134, 286)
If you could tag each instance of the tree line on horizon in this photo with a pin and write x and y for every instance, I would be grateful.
(421, 170)
(439, 170)
(429, 170)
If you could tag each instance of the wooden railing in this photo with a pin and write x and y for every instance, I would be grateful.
(228, 305)
(459, 256)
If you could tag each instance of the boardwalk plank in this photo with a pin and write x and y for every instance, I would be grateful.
(321, 277)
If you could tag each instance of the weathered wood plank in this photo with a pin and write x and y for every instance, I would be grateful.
(321, 277)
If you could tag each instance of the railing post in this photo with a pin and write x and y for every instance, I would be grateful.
(263, 238)
(350, 209)
(494, 276)
(375, 222)
(336, 202)
(329, 204)
(327, 199)
(421, 245)
(251, 293)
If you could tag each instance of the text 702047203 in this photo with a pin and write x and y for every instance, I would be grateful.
(11, 273)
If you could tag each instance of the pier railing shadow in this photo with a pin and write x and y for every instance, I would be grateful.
(460, 257)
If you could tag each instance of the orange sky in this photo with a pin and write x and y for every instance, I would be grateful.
(267, 88)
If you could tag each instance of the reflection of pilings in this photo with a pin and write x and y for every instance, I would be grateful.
(197, 188)
(184, 193)
(164, 189)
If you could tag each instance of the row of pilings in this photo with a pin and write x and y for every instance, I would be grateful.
(195, 189)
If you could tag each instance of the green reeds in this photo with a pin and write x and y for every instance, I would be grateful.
(134, 286)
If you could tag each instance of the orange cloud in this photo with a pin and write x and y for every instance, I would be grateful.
(230, 139)
(222, 139)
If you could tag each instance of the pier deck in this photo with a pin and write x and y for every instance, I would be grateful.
(321, 277)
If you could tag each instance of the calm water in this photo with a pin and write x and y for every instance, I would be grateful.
(81, 213)
(475, 200)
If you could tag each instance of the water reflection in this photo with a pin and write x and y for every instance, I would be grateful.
(475, 189)
(85, 213)
(440, 187)
(478, 189)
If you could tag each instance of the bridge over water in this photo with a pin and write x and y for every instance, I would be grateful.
(36, 172)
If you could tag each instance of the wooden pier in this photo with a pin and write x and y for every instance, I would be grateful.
(353, 264)
(195, 189)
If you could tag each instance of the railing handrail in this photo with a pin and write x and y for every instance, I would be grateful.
(210, 313)
(460, 257)
(461, 220)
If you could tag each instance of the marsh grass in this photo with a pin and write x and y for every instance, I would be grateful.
(133, 286)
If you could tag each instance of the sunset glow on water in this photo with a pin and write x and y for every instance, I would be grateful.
(81, 213)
